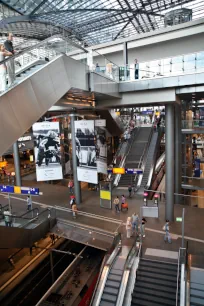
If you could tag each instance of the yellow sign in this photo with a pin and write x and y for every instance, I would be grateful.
(105, 195)
(17, 189)
(117, 113)
(118, 170)
(3, 164)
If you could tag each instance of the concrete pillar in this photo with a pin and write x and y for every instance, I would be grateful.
(125, 59)
(178, 154)
(17, 163)
(169, 149)
(77, 186)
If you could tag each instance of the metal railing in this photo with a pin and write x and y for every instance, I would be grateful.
(182, 277)
(165, 67)
(192, 124)
(104, 275)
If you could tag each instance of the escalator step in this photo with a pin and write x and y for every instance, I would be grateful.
(110, 290)
(156, 293)
(112, 284)
(158, 264)
(162, 283)
(113, 277)
(157, 276)
(109, 298)
(156, 287)
(155, 270)
(150, 298)
(105, 303)
(140, 302)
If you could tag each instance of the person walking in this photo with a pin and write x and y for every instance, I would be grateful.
(130, 191)
(129, 227)
(70, 186)
(72, 200)
(10, 64)
(135, 223)
(29, 203)
(74, 210)
(116, 203)
(7, 218)
(167, 236)
(142, 227)
(3, 54)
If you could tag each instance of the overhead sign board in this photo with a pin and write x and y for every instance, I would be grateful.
(125, 171)
(19, 190)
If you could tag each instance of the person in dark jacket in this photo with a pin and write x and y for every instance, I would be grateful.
(8, 44)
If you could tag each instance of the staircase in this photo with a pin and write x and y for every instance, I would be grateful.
(196, 294)
(149, 162)
(112, 287)
(133, 158)
(156, 284)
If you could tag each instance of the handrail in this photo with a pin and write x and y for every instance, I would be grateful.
(178, 274)
(41, 43)
(126, 273)
(28, 212)
(105, 274)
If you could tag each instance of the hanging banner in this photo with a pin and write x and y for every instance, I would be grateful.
(47, 151)
(86, 151)
(101, 146)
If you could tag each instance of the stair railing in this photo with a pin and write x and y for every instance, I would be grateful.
(182, 263)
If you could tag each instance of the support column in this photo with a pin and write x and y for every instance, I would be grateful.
(169, 150)
(17, 164)
(125, 59)
(178, 154)
(77, 186)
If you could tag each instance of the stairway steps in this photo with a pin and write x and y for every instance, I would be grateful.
(105, 303)
(158, 265)
(139, 302)
(160, 282)
(150, 298)
(196, 301)
(197, 293)
(158, 287)
(157, 276)
(155, 270)
(155, 293)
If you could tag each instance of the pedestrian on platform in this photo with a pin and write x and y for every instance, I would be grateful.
(142, 227)
(135, 223)
(130, 191)
(70, 186)
(129, 227)
(8, 44)
(74, 210)
(167, 236)
(116, 203)
(7, 218)
(29, 203)
(72, 200)
(123, 199)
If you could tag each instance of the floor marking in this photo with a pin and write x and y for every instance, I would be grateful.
(174, 236)
(161, 253)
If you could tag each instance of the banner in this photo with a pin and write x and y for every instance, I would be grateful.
(47, 151)
(101, 146)
(86, 151)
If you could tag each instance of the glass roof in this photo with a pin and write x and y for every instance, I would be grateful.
(97, 21)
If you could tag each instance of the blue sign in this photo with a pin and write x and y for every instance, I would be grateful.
(28, 190)
(8, 189)
(133, 171)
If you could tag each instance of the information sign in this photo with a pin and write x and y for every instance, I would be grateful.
(179, 219)
(19, 190)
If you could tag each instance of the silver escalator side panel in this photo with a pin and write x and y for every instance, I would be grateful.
(25, 103)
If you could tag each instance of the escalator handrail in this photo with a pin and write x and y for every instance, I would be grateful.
(133, 251)
(105, 273)
(37, 217)
(41, 43)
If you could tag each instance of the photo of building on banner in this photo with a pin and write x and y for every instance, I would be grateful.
(86, 151)
(101, 146)
(47, 151)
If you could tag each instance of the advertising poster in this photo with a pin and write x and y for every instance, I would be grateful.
(47, 151)
(101, 146)
(86, 151)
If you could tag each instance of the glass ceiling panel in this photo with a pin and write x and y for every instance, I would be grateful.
(98, 21)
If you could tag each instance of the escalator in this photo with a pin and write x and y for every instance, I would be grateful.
(39, 85)
(144, 181)
(133, 158)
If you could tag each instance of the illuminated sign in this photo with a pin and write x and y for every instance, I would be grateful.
(19, 190)
(118, 170)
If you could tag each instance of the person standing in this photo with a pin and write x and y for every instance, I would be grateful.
(116, 203)
(167, 236)
(129, 227)
(10, 64)
(7, 218)
(29, 203)
(3, 54)
(142, 227)
(70, 186)
(136, 70)
(74, 210)
(135, 223)
(130, 191)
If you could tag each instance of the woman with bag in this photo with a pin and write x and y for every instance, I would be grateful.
(124, 205)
